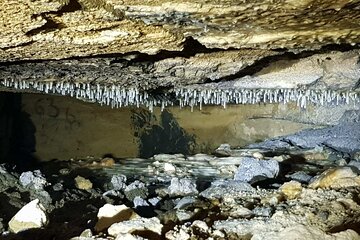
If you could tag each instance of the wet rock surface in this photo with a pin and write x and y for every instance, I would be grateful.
(299, 193)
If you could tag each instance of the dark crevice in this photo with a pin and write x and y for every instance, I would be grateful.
(191, 47)
(15, 46)
(351, 225)
(49, 26)
(72, 6)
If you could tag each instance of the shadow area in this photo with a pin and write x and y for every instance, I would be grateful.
(17, 133)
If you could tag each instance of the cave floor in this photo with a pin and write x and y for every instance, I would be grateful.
(249, 193)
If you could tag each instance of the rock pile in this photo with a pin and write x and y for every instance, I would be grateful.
(262, 195)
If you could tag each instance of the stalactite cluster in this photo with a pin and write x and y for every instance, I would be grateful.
(117, 96)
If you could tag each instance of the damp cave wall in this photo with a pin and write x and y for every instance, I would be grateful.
(39, 127)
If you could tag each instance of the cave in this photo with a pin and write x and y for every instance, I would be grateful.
(179, 120)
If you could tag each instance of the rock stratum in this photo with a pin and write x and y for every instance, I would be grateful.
(189, 53)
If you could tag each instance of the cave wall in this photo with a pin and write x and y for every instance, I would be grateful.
(68, 128)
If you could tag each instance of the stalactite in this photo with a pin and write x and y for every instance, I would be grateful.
(116, 96)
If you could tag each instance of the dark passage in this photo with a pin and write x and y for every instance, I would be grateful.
(17, 132)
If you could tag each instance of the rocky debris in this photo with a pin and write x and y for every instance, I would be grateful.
(222, 161)
(355, 164)
(107, 162)
(33, 179)
(170, 206)
(110, 214)
(128, 236)
(83, 183)
(168, 157)
(253, 170)
(221, 189)
(224, 150)
(184, 202)
(179, 233)
(182, 187)
(241, 212)
(343, 137)
(336, 178)
(169, 168)
(139, 202)
(258, 155)
(136, 189)
(87, 233)
(7, 180)
(300, 176)
(152, 225)
(118, 182)
(154, 201)
(32, 215)
(291, 189)
(312, 233)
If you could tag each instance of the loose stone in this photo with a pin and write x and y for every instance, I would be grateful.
(32, 215)
(83, 183)
(109, 214)
(291, 189)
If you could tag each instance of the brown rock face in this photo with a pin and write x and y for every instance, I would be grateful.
(48, 29)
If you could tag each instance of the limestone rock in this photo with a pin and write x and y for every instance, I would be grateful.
(169, 168)
(343, 137)
(136, 189)
(336, 178)
(109, 214)
(32, 215)
(258, 155)
(130, 26)
(252, 170)
(224, 150)
(138, 224)
(33, 179)
(178, 234)
(107, 162)
(118, 182)
(182, 187)
(291, 189)
(300, 176)
(128, 236)
(222, 189)
(139, 202)
(312, 233)
(83, 183)
(86, 233)
(185, 202)
(241, 212)
(355, 164)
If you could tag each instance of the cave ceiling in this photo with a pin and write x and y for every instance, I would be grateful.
(119, 52)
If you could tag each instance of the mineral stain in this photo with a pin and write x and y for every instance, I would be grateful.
(165, 137)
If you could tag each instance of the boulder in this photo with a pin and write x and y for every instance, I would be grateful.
(252, 170)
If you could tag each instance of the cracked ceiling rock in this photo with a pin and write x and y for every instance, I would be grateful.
(266, 24)
(19, 17)
(208, 66)
(42, 29)
(152, 74)
(332, 71)
(80, 33)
